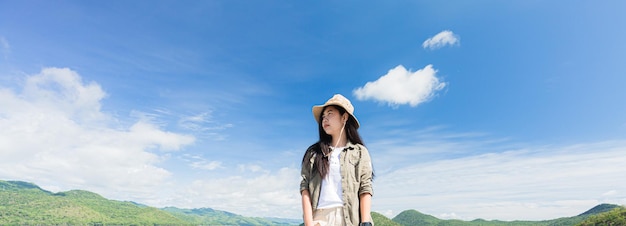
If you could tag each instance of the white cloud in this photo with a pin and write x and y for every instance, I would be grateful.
(62, 90)
(206, 165)
(203, 125)
(251, 168)
(400, 86)
(441, 39)
(55, 134)
(448, 216)
(199, 162)
(195, 122)
(265, 194)
(534, 183)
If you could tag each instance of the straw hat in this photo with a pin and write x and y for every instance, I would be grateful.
(338, 100)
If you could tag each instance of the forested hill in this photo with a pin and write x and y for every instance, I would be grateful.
(23, 203)
(606, 214)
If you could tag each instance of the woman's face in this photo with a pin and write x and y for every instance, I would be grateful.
(332, 120)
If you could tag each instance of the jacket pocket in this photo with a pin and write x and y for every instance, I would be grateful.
(354, 157)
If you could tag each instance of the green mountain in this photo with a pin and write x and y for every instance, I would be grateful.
(27, 204)
(615, 216)
(599, 209)
(23, 203)
(208, 216)
(413, 217)
(381, 220)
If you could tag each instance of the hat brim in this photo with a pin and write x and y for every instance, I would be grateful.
(317, 112)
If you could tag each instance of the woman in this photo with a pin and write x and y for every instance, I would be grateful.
(337, 173)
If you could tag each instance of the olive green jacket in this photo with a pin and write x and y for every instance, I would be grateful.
(356, 179)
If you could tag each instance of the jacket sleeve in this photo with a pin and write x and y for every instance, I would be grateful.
(366, 172)
(305, 172)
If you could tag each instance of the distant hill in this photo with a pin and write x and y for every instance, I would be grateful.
(615, 216)
(599, 209)
(18, 185)
(208, 216)
(413, 217)
(23, 203)
(381, 220)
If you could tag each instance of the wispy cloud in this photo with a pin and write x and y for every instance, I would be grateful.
(442, 39)
(203, 124)
(55, 134)
(194, 122)
(199, 162)
(263, 193)
(400, 86)
(251, 168)
(530, 183)
(206, 165)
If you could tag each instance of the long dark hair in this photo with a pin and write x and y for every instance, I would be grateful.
(323, 147)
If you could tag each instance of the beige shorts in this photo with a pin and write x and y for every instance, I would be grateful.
(328, 217)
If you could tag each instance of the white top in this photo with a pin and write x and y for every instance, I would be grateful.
(331, 193)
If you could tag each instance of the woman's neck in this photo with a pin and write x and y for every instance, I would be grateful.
(339, 142)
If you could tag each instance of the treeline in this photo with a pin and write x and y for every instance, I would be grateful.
(617, 216)
(27, 204)
(603, 214)
(23, 203)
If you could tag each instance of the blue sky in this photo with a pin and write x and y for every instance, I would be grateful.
(471, 109)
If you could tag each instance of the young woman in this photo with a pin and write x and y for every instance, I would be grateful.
(337, 173)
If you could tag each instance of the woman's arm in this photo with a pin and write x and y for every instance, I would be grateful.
(365, 207)
(307, 209)
(366, 172)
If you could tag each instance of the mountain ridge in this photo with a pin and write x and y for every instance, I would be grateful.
(414, 217)
(25, 203)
